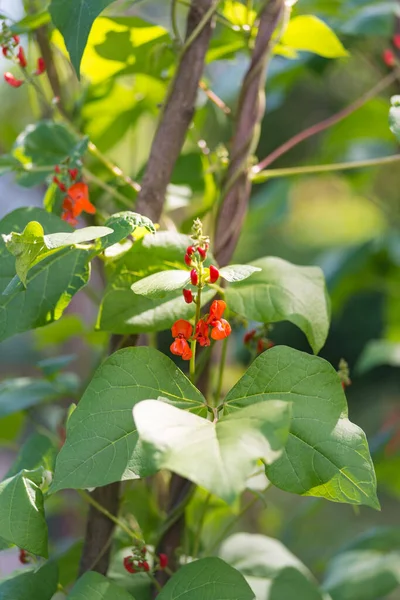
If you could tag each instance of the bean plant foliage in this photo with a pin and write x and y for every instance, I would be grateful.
(154, 439)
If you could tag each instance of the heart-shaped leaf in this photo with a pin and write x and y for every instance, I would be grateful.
(174, 439)
(284, 292)
(206, 579)
(22, 520)
(94, 585)
(101, 431)
(326, 455)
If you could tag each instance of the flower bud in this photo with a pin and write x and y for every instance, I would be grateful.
(188, 260)
(194, 277)
(187, 294)
(13, 81)
(389, 58)
(41, 66)
(190, 250)
(396, 41)
(22, 58)
(214, 274)
(163, 558)
(202, 252)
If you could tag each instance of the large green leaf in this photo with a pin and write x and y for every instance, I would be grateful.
(32, 584)
(159, 284)
(272, 572)
(122, 311)
(101, 430)
(124, 224)
(308, 33)
(326, 455)
(22, 393)
(174, 439)
(22, 520)
(367, 569)
(50, 284)
(93, 585)
(282, 291)
(74, 19)
(207, 579)
(233, 273)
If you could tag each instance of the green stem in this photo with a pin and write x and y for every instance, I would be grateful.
(196, 32)
(154, 581)
(116, 171)
(194, 341)
(231, 524)
(107, 188)
(174, 23)
(221, 372)
(261, 176)
(90, 500)
(197, 538)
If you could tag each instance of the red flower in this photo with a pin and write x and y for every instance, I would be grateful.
(194, 277)
(16, 39)
(221, 329)
(22, 58)
(187, 294)
(216, 311)
(396, 40)
(77, 202)
(4, 50)
(188, 260)
(128, 564)
(202, 252)
(389, 58)
(13, 81)
(249, 336)
(163, 558)
(57, 169)
(181, 331)
(189, 250)
(201, 334)
(41, 66)
(214, 274)
(23, 557)
(143, 564)
(60, 184)
(73, 173)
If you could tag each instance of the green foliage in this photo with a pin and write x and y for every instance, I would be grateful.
(22, 520)
(101, 430)
(282, 291)
(326, 455)
(205, 578)
(37, 451)
(93, 584)
(394, 116)
(33, 584)
(310, 34)
(174, 439)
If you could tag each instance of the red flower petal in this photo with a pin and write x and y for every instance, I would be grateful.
(201, 334)
(221, 330)
(216, 311)
(183, 328)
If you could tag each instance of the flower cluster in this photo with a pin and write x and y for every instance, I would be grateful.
(76, 200)
(389, 57)
(137, 563)
(12, 50)
(258, 340)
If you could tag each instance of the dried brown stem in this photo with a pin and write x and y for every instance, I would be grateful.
(326, 123)
(177, 115)
(237, 187)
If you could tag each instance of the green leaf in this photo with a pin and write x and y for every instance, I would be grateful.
(31, 22)
(52, 366)
(32, 584)
(50, 284)
(124, 224)
(40, 147)
(22, 393)
(159, 284)
(284, 292)
(310, 34)
(377, 353)
(326, 455)
(394, 116)
(272, 572)
(79, 236)
(22, 520)
(74, 19)
(122, 311)
(174, 439)
(101, 430)
(37, 451)
(206, 579)
(26, 247)
(93, 585)
(234, 273)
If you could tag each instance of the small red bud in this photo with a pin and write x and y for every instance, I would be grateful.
(60, 185)
(41, 66)
(11, 80)
(128, 564)
(163, 558)
(143, 551)
(21, 57)
(57, 169)
(73, 173)
(194, 277)
(187, 294)
(16, 39)
(190, 250)
(214, 274)
(396, 41)
(389, 58)
(249, 336)
(143, 564)
(188, 260)
(260, 346)
(202, 252)
(4, 50)
(23, 557)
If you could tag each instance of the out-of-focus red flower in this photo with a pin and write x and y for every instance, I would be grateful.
(221, 329)
(13, 81)
(201, 334)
